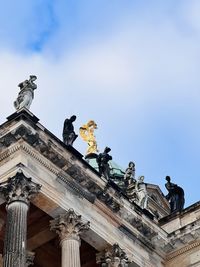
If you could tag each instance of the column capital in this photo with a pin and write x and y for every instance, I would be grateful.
(30, 258)
(19, 188)
(113, 256)
(69, 225)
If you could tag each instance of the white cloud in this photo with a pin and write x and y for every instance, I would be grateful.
(141, 85)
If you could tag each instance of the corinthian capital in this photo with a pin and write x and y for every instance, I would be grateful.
(112, 257)
(30, 258)
(69, 225)
(19, 188)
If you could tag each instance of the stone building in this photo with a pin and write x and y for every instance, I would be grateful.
(56, 210)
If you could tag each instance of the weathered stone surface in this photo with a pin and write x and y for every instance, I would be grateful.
(19, 188)
(69, 226)
(113, 257)
(30, 258)
(17, 191)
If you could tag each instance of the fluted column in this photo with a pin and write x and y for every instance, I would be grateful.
(69, 226)
(17, 191)
(112, 257)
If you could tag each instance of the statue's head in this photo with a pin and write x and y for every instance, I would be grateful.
(107, 150)
(131, 164)
(73, 118)
(141, 178)
(168, 178)
(33, 77)
(92, 124)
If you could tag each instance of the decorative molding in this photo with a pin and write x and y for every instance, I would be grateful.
(113, 257)
(182, 250)
(19, 188)
(69, 225)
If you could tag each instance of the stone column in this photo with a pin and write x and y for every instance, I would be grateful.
(17, 191)
(69, 226)
(112, 257)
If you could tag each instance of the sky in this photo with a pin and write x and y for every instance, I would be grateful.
(130, 65)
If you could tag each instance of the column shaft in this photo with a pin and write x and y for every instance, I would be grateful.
(70, 253)
(15, 236)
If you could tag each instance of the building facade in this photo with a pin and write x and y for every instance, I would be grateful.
(56, 210)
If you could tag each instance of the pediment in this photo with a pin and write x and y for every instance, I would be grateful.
(157, 200)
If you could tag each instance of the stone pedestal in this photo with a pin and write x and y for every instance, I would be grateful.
(69, 226)
(112, 257)
(17, 192)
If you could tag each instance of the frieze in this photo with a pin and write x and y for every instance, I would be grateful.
(102, 194)
(142, 228)
(141, 238)
(183, 250)
(34, 140)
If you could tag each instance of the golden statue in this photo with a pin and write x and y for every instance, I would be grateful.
(87, 133)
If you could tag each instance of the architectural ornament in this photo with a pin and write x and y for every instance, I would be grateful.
(103, 163)
(69, 225)
(19, 188)
(30, 258)
(129, 176)
(87, 134)
(135, 189)
(175, 196)
(113, 257)
(69, 136)
(26, 94)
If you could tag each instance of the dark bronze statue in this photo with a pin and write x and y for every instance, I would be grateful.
(69, 136)
(175, 196)
(102, 160)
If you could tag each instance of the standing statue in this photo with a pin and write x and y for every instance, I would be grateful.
(69, 136)
(175, 196)
(26, 93)
(141, 193)
(135, 189)
(87, 134)
(103, 163)
(129, 176)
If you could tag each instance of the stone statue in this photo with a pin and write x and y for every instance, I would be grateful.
(26, 93)
(87, 134)
(175, 196)
(103, 163)
(141, 193)
(69, 136)
(129, 175)
(135, 189)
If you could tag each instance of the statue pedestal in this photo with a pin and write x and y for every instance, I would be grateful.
(91, 156)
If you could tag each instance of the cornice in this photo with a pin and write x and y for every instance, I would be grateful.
(28, 150)
(71, 174)
(183, 250)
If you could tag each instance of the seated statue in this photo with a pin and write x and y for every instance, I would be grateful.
(26, 94)
(102, 160)
(175, 196)
(69, 136)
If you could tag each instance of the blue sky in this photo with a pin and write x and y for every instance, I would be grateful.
(132, 66)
